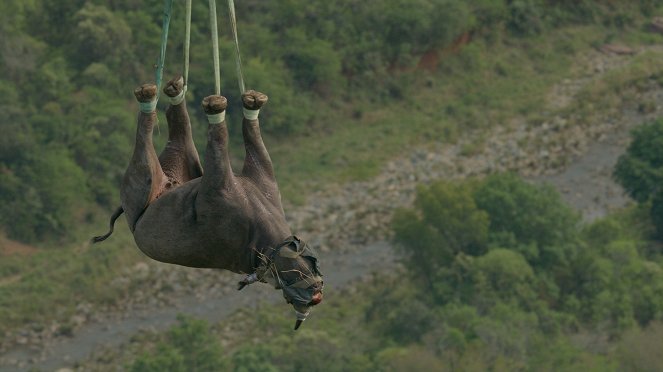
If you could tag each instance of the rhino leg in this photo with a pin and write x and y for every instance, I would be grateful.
(257, 163)
(179, 159)
(144, 179)
(218, 171)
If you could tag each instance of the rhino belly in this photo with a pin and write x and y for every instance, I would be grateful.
(172, 231)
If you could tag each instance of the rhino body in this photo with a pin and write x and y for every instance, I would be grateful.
(219, 220)
(206, 216)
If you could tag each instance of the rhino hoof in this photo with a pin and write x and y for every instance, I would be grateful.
(174, 86)
(253, 100)
(214, 104)
(145, 92)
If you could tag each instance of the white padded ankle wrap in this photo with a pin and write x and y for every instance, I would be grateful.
(178, 98)
(250, 114)
(217, 118)
(148, 107)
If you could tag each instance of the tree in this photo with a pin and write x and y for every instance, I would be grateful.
(100, 35)
(443, 228)
(314, 62)
(502, 275)
(189, 346)
(528, 218)
(253, 359)
(640, 169)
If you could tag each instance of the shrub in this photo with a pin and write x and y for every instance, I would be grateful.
(445, 224)
(189, 346)
(640, 169)
(531, 219)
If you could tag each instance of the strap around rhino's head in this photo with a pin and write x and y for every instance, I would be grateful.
(300, 280)
(291, 248)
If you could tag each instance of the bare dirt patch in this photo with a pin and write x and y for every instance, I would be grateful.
(11, 247)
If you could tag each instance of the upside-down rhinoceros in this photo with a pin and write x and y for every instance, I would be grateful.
(206, 216)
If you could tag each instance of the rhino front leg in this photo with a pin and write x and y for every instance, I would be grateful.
(218, 175)
(179, 159)
(144, 179)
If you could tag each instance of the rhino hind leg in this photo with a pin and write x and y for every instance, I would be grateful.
(257, 163)
(179, 159)
(144, 179)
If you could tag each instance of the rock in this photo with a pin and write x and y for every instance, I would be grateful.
(141, 270)
(77, 320)
(617, 49)
(656, 25)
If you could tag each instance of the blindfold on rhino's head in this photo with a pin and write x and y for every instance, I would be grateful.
(299, 277)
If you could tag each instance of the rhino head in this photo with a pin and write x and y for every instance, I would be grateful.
(293, 268)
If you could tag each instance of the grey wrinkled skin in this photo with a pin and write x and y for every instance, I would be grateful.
(204, 216)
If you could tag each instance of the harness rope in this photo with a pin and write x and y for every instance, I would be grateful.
(238, 59)
(168, 7)
(187, 43)
(215, 46)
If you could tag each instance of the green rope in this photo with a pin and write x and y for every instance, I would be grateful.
(238, 59)
(168, 7)
(215, 46)
(187, 42)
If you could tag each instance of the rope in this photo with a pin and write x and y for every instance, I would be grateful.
(238, 59)
(187, 43)
(215, 46)
(168, 7)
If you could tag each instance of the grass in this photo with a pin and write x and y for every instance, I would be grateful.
(49, 284)
(487, 84)
(483, 86)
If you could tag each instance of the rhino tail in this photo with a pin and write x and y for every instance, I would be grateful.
(114, 217)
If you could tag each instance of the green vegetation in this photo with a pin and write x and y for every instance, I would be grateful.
(189, 347)
(640, 170)
(70, 69)
(49, 284)
(556, 296)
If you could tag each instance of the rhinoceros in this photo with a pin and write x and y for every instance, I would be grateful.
(206, 216)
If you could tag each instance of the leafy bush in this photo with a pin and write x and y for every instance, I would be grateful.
(505, 241)
(531, 219)
(253, 359)
(445, 226)
(503, 275)
(189, 346)
(640, 169)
